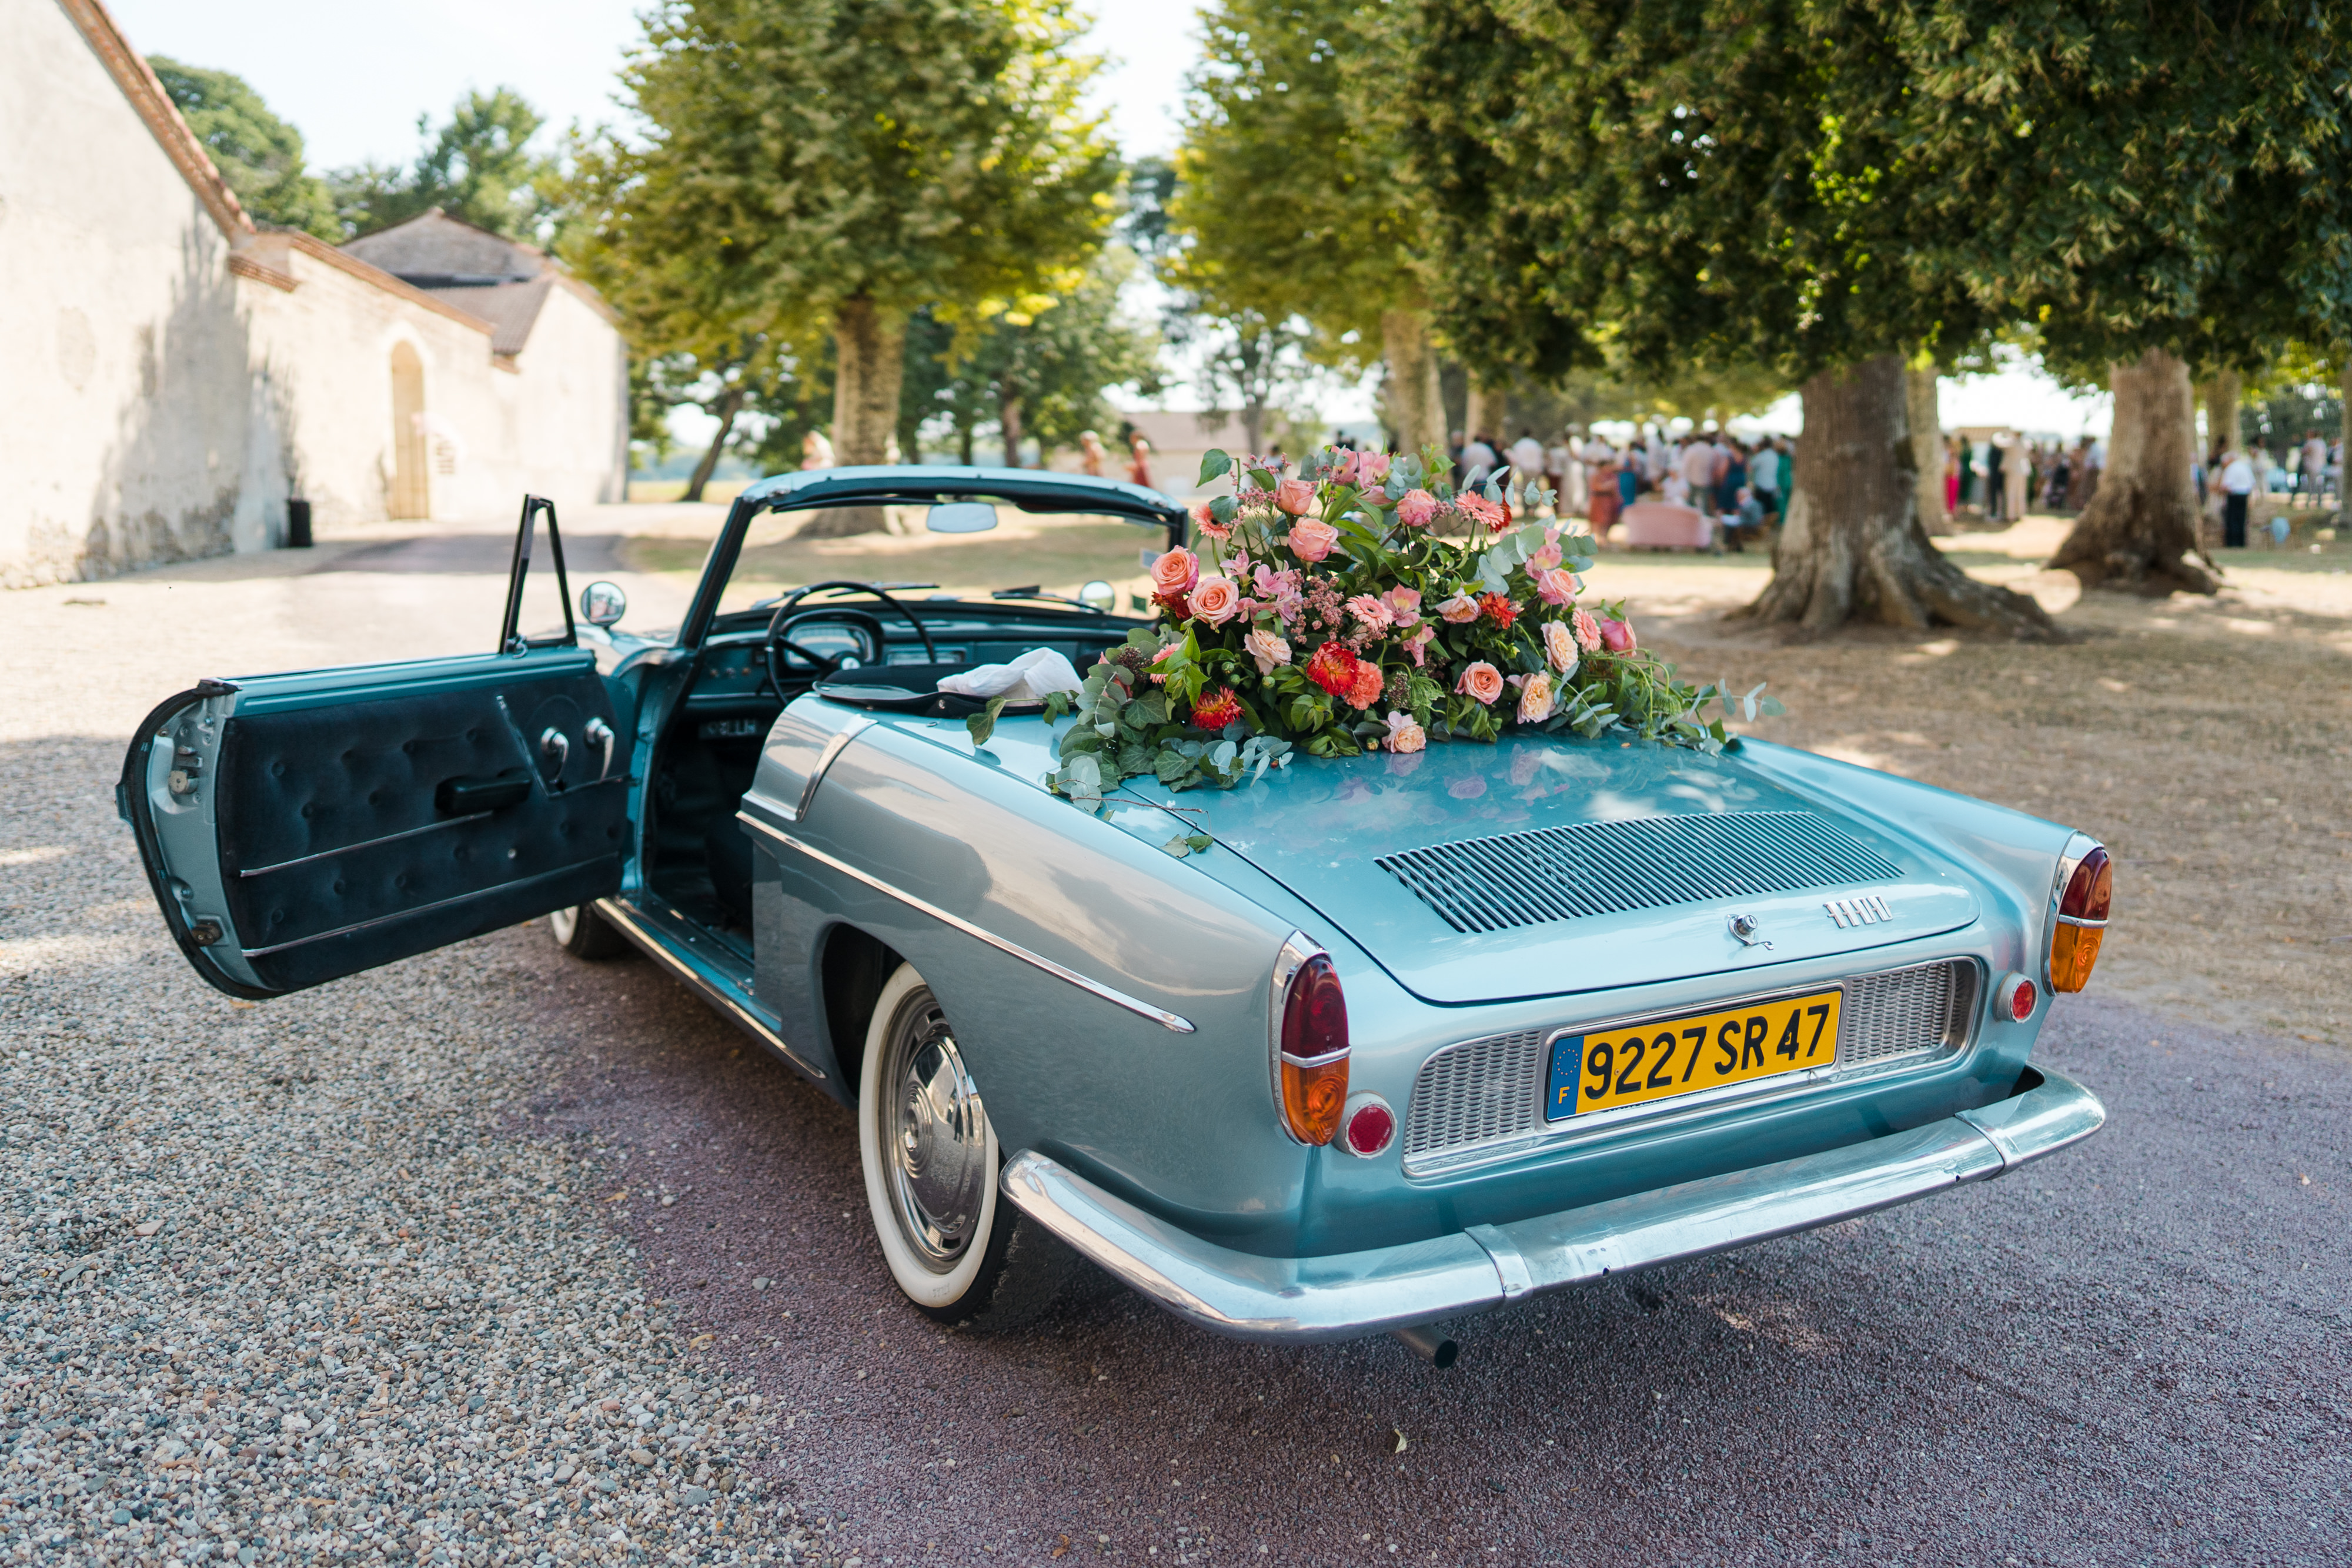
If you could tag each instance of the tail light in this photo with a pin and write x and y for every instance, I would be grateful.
(1311, 1044)
(2084, 895)
(1368, 1127)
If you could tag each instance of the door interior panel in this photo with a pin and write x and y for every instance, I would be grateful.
(364, 831)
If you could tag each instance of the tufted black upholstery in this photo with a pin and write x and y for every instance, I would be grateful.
(338, 783)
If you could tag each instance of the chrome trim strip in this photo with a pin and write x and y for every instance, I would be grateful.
(632, 924)
(1351, 1294)
(1296, 948)
(366, 843)
(824, 760)
(420, 909)
(1175, 1022)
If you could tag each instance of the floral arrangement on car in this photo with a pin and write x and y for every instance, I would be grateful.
(1363, 604)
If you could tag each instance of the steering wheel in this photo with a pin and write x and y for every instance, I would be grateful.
(819, 664)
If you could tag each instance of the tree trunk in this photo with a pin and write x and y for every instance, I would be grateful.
(1008, 422)
(1926, 445)
(869, 362)
(731, 403)
(1852, 549)
(1415, 410)
(1482, 416)
(2221, 412)
(1254, 426)
(2343, 475)
(2139, 532)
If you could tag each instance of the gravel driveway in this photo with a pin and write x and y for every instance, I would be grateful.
(498, 1256)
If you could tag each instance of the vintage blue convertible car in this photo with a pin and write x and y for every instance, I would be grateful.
(1593, 1004)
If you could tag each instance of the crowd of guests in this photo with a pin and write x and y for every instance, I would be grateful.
(1739, 486)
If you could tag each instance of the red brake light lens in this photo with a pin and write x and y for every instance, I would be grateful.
(1314, 1053)
(2081, 925)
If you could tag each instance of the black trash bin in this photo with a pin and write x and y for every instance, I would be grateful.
(297, 525)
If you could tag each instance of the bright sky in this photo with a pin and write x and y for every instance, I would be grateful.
(355, 86)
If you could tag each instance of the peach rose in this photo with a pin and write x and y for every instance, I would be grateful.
(1617, 636)
(1176, 572)
(1295, 496)
(1555, 586)
(1311, 539)
(1559, 646)
(1215, 599)
(1459, 609)
(1416, 508)
(1267, 649)
(1588, 631)
(1481, 682)
(1404, 735)
(1535, 698)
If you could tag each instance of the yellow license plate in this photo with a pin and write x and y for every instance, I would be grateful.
(1665, 1057)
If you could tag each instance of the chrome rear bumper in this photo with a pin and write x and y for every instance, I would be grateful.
(1350, 1294)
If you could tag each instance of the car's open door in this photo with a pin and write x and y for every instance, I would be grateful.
(298, 827)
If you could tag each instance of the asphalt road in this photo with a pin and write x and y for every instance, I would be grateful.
(2134, 1352)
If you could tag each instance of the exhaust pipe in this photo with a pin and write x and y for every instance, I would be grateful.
(1439, 1349)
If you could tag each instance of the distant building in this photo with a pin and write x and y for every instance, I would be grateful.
(174, 374)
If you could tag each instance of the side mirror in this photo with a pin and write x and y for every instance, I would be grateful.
(1098, 595)
(603, 603)
(962, 518)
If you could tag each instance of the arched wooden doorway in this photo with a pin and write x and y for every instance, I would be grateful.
(412, 493)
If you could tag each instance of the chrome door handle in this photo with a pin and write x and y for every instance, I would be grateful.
(599, 733)
(555, 748)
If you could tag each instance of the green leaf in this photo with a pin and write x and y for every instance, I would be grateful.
(984, 724)
(1215, 464)
(1196, 842)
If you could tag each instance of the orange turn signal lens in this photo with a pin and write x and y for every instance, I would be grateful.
(2082, 921)
(1313, 1049)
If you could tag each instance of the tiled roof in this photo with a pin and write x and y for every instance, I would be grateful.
(434, 250)
(508, 308)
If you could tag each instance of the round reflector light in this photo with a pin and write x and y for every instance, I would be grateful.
(2020, 997)
(1368, 1125)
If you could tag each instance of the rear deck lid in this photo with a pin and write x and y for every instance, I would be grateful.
(1532, 868)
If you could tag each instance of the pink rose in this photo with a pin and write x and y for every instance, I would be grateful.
(1588, 631)
(1459, 609)
(1372, 468)
(1311, 539)
(1481, 682)
(1555, 586)
(1417, 509)
(1418, 642)
(1403, 605)
(1617, 636)
(1295, 496)
(1267, 649)
(1404, 735)
(1176, 572)
(1559, 646)
(1215, 599)
(1536, 697)
(1371, 612)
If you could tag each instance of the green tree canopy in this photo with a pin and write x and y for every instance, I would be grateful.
(835, 166)
(478, 166)
(258, 153)
(1289, 209)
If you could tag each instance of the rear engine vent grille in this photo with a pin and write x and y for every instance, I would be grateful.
(1482, 1096)
(1651, 862)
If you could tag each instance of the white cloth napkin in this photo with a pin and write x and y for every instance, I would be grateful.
(1026, 679)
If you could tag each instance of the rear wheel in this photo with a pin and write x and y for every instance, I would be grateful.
(583, 933)
(930, 1161)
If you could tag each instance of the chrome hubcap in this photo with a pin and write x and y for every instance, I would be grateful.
(936, 1135)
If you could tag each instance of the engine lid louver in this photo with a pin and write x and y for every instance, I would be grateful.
(1649, 863)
